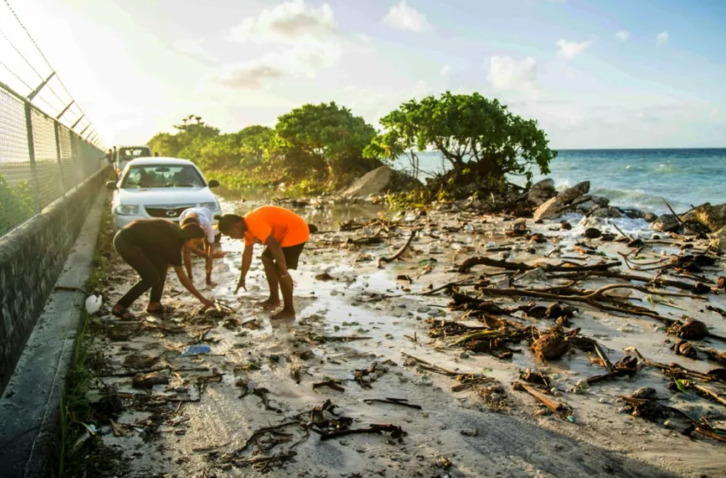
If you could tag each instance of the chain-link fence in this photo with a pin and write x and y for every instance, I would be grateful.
(40, 159)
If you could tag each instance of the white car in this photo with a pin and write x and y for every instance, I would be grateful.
(159, 188)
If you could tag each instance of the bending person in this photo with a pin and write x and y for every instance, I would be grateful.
(203, 217)
(150, 246)
(285, 234)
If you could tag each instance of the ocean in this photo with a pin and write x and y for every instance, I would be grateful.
(637, 178)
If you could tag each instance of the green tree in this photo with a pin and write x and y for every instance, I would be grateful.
(326, 138)
(164, 144)
(481, 138)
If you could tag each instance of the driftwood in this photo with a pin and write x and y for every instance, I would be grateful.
(592, 298)
(674, 370)
(521, 266)
(630, 277)
(561, 409)
(393, 401)
(394, 430)
(334, 384)
(382, 259)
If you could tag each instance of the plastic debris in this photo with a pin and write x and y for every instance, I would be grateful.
(196, 350)
(93, 303)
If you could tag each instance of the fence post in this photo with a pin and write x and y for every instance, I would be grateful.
(59, 156)
(31, 156)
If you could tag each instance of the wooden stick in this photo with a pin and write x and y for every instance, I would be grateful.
(521, 266)
(559, 408)
(673, 212)
(603, 357)
(382, 259)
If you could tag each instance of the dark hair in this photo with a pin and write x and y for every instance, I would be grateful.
(192, 231)
(192, 218)
(226, 221)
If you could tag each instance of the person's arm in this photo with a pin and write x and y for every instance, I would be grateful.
(190, 287)
(188, 263)
(209, 260)
(246, 262)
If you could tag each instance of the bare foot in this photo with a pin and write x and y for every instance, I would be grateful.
(269, 303)
(284, 314)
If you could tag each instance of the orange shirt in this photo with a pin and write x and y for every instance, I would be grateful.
(286, 227)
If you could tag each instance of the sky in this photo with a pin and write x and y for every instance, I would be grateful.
(594, 74)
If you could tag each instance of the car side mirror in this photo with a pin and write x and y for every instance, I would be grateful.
(111, 185)
(213, 183)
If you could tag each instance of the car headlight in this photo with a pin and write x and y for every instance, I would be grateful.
(212, 206)
(127, 209)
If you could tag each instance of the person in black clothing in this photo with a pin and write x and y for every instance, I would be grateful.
(150, 246)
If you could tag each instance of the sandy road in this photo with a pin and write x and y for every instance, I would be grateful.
(261, 374)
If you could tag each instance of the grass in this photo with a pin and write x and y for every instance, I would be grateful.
(75, 407)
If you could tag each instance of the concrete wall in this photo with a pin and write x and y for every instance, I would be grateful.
(31, 259)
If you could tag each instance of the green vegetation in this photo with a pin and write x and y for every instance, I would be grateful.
(483, 142)
(16, 204)
(321, 148)
(78, 455)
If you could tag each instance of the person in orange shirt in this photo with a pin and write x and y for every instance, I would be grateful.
(285, 234)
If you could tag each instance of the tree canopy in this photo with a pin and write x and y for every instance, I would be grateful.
(324, 136)
(475, 134)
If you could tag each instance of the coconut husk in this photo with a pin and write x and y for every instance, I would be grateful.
(690, 330)
(148, 380)
(549, 346)
(685, 349)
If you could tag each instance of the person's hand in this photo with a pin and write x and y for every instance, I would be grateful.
(207, 303)
(240, 283)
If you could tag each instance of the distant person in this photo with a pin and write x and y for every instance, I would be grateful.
(203, 217)
(156, 154)
(285, 234)
(150, 246)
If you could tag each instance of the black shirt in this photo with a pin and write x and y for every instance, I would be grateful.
(158, 238)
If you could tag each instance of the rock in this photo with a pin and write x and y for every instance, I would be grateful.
(718, 239)
(606, 211)
(565, 226)
(714, 217)
(633, 213)
(644, 392)
(372, 182)
(557, 204)
(541, 192)
(666, 223)
(592, 233)
(650, 217)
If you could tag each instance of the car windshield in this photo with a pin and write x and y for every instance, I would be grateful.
(162, 176)
(130, 153)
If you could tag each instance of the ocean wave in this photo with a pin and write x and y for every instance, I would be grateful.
(665, 168)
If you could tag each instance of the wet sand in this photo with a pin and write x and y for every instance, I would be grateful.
(356, 326)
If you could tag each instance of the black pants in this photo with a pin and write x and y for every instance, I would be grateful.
(151, 270)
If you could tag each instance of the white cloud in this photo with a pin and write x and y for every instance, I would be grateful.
(364, 38)
(506, 73)
(252, 75)
(286, 22)
(622, 35)
(661, 38)
(570, 50)
(403, 17)
(446, 70)
(301, 61)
